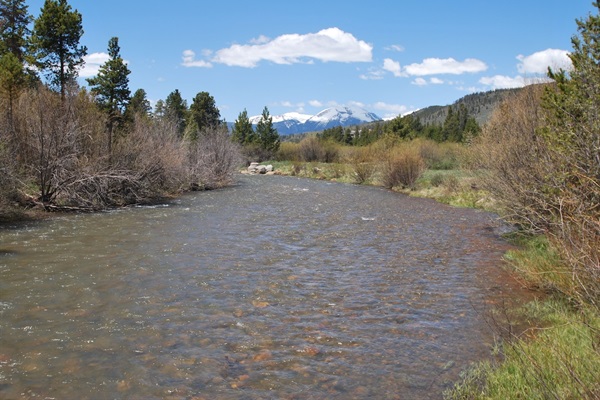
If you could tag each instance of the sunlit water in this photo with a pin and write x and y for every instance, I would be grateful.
(276, 288)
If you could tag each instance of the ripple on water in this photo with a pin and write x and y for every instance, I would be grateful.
(274, 288)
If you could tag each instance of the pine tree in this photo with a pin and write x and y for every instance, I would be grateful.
(243, 133)
(204, 112)
(268, 138)
(175, 108)
(55, 40)
(14, 30)
(12, 79)
(159, 109)
(451, 129)
(14, 51)
(111, 88)
(138, 105)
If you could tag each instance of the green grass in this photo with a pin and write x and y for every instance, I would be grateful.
(559, 361)
(538, 264)
(455, 187)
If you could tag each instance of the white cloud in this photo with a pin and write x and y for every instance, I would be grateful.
(436, 66)
(189, 60)
(393, 67)
(262, 39)
(395, 47)
(315, 103)
(538, 62)
(373, 74)
(503, 82)
(357, 104)
(423, 82)
(330, 44)
(390, 110)
(92, 64)
(419, 82)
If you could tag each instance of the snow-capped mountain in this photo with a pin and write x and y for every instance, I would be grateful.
(340, 116)
(290, 123)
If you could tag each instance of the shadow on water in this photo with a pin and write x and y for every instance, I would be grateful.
(275, 288)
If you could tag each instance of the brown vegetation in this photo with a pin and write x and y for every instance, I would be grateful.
(54, 156)
(543, 189)
(402, 168)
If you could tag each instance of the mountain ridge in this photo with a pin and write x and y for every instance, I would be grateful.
(293, 122)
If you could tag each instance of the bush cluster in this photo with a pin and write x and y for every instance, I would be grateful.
(56, 154)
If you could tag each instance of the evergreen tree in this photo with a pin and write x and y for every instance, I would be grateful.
(403, 127)
(14, 30)
(159, 109)
(111, 88)
(268, 138)
(573, 131)
(243, 133)
(175, 108)
(204, 113)
(12, 79)
(451, 129)
(55, 40)
(138, 105)
(573, 135)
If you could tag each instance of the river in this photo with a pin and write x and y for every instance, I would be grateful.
(275, 288)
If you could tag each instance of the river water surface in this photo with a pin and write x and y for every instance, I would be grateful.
(276, 288)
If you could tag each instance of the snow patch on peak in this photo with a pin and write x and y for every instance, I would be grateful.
(294, 122)
(290, 116)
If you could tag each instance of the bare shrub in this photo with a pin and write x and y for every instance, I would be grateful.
(288, 151)
(402, 168)
(361, 162)
(50, 144)
(451, 183)
(540, 191)
(8, 180)
(437, 180)
(331, 152)
(213, 160)
(310, 149)
(514, 162)
(442, 156)
(253, 152)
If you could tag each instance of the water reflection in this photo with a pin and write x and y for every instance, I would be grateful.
(275, 288)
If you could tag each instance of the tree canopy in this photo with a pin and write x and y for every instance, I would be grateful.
(14, 28)
(204, 112)
(175, 108)
(243, 133)
(111, 87)
(55, 41)
(268, 138)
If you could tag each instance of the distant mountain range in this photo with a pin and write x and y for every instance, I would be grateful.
(293, 123)
(479, 105)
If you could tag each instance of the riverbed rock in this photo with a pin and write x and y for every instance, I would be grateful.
(256, 168)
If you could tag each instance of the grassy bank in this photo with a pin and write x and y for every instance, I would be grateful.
(560, 360)
(456, 187)
(560, 357)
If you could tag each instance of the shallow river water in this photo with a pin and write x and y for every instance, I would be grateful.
(276, 288)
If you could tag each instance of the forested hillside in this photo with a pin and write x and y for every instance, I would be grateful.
(479, 105)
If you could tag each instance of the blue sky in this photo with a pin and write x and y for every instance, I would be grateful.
(389, 57)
